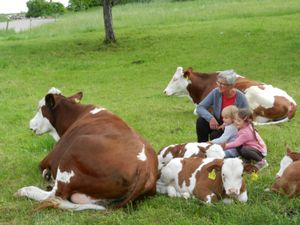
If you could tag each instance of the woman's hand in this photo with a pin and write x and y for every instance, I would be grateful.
(213, 124)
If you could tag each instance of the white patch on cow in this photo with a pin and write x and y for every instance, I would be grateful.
(96, 110)
(64, 177)
(209, 198)
(259, 97)
(142, 156)
(284, 163)
(178, 84)
(41, 125)
(232, 171)
(243, 197)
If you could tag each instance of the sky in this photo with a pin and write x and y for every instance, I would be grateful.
(16, 6)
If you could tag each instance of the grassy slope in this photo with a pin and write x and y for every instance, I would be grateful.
(259, 39)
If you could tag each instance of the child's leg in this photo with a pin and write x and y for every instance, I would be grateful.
(231, 153)
(250, 154)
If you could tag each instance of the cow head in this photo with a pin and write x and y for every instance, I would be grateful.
(287, 160)
(41, 122)
(215, 151)
(232, 170)
(178, 84)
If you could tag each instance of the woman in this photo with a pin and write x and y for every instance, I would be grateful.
(208, 124)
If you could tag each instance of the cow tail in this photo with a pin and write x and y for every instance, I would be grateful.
(137, 189)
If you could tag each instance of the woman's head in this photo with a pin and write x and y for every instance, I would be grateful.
(243, 117)
(228, 114)
(226, 80)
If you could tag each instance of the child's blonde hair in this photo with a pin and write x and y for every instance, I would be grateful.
(229, 111)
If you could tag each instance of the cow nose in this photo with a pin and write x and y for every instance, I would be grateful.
(232, 191)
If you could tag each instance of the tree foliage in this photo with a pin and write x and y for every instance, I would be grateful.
(37, 8)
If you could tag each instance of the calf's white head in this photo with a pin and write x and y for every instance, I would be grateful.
(215, 151)
(39, 124)
(284, 163)
(178, 84)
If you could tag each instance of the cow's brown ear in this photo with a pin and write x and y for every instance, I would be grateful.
(76, 97)
(288, 150)
(250, 168)
(217, 165)
(50, 101)
(187, 73)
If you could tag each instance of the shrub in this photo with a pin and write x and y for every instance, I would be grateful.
(38, 8)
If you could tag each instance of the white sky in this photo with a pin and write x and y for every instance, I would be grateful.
(16, 6)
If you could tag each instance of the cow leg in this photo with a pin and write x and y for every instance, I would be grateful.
(34, 193)
(243, 197)
(206, 195)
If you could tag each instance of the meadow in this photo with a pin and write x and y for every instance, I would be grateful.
(257, 38)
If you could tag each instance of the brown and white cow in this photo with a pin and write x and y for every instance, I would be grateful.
(269, 104)
(188, 150)
(98, 162)
(288, 177)
(207, 179)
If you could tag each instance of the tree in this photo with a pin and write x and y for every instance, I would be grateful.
(107, 15)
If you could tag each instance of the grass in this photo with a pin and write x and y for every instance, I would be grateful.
(259, 39)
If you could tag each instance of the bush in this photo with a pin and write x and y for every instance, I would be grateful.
(37, 8)
(78, 5)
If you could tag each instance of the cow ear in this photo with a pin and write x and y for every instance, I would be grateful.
(50, 101)
(186, 74)
(76, 97)
(250, 168)
(217, 165)
(288, 150)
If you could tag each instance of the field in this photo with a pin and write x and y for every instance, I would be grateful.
(257, 38)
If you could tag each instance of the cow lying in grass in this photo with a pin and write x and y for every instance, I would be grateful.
(269, 104)
(99, 161)
(187, 150)
(207, 179)
(288, 177)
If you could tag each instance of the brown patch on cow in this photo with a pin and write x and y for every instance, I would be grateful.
(188, 168)
(180, 149)
(243, 83)
(295, 156)
(279, 110)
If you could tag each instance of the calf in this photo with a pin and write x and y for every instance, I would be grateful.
(188, 150)
(270, 104)
(288, 177)
(98, 162)
(207, 179)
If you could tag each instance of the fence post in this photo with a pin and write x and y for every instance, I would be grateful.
(7, 23)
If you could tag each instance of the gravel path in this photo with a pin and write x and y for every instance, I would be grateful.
(25, 24)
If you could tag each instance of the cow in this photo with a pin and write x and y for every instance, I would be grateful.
(207, 179)
(270, 105)
(288, 177)
(187, 150)
(99, 161)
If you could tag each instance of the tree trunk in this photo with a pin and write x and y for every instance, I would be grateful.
(107, 15)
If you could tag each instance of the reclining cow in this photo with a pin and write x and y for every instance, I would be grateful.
(98, 162)
(269, 104)
(288, 177)
(187, 150)
(207, 179)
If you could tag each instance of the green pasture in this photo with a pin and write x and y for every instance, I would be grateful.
(257, 38)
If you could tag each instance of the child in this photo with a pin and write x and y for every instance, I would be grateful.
(248, 142)
(230, 131)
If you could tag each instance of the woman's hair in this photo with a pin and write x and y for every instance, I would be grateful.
(229, 76)
(247, 115)
(229, 111)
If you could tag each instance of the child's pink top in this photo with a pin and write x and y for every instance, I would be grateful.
(245, 137)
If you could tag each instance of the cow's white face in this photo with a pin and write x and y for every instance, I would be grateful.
(284, 163)
(40, 124)
(232, 171)
(178, 84)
